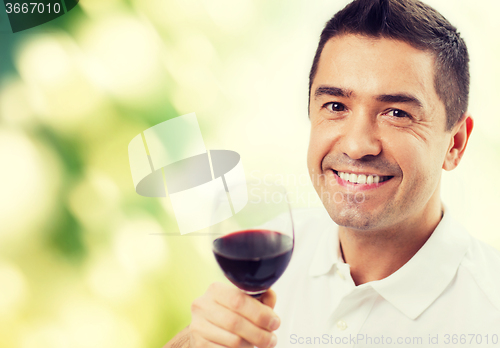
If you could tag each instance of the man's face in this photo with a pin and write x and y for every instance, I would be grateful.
(374, 112)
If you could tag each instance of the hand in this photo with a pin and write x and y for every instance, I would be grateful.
(226, 317)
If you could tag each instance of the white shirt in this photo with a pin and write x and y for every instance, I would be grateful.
(447, 295)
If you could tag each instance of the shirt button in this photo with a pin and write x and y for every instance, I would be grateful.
(341, 325)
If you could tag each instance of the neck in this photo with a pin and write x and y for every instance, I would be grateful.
(375, 255)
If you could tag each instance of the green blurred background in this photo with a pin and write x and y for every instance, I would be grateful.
(83, 262)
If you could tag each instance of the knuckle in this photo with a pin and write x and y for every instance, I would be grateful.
(233, 323)
(213, 287)
(196, 305)
(216, 287)
(238, 301)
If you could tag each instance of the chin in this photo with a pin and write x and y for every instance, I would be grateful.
(354, 221)
(354, 216)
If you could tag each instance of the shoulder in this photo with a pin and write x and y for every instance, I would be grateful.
(482, 262)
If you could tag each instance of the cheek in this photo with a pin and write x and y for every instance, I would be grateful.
(313, 162)
(430, 157)
(319, 145)
(420, 164)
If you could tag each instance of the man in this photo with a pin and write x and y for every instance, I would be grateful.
(388, 109)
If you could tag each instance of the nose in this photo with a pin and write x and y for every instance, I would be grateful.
(360, 137)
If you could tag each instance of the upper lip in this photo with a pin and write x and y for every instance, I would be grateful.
(358, 172)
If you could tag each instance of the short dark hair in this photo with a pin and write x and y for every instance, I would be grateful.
(422, 27)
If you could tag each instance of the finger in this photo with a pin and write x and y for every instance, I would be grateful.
(248, 307)
(224, 318)
(196, 341)
(203, 343)
(268, 298)
(204, 330)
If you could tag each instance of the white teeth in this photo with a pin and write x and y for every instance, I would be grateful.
(353, 178)
(369, 180)
(361, 179)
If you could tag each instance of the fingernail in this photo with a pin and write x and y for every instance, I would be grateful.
(275, 323)
(273, 342)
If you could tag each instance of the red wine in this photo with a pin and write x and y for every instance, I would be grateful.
(253, 259)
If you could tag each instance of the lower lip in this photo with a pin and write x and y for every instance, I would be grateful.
(359, 187)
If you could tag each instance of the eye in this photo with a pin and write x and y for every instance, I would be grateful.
(398, 113)
(335, 107)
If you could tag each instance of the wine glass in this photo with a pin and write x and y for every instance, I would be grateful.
(254, 246)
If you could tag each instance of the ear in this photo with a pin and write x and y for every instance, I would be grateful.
(459, 138)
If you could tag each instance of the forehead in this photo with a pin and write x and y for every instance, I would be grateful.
(374, 66)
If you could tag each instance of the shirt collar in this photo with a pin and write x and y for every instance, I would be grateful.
(416, 285)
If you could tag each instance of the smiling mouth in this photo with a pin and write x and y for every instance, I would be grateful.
(362, 179)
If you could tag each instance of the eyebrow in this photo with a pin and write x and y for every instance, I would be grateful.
(400, 98)
(333, 91)
(385, 98)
